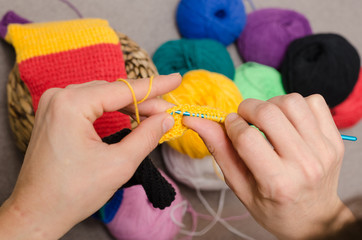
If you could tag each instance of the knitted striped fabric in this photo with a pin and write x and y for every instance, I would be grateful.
(56, 54)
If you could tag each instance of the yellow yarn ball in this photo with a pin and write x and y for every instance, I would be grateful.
(203, 88)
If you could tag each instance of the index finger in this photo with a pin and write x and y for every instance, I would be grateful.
(253, 149)
(93, 100)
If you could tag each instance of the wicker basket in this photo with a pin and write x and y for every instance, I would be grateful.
(21, 114)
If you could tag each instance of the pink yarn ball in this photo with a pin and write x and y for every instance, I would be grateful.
(137, 219)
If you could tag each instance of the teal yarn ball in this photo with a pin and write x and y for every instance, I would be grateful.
(184, 55)
(221, 20)
(258, 81)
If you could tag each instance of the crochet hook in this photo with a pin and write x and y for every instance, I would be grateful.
(344, 137)
(349, 138)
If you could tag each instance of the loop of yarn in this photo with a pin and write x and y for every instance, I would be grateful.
(349, 112)
(258, 81)
(186, 207)
(222, 20)
(137, 219)
(184, 55)
(326, 64)
(203, 88)
(267, 34)
(134, 96)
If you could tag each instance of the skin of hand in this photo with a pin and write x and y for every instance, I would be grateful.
(68, 172)
(288, 180)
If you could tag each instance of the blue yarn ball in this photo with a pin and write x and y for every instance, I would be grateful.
(109, 210)
(222, 20)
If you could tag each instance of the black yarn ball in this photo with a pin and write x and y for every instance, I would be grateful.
(326, 64)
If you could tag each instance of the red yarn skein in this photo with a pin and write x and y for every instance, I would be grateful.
(349, 112)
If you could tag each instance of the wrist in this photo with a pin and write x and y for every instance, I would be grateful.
(318, 227)
(18, 221)
(343, 218)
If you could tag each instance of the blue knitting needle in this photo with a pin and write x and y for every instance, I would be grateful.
(344, 137)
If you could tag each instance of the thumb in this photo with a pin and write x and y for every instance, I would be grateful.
(142, 140)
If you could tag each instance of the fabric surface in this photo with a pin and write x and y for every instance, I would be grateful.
(56, 54)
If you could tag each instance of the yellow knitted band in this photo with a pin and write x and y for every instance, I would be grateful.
(37, 39)
(194, 111)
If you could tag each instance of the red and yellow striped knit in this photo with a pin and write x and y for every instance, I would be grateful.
(56, 54)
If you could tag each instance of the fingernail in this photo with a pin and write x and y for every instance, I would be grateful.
(175, 74)
(231, 117)
(168, 123)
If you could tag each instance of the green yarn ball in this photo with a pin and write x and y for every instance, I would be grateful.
(258, 81)
(184, 55)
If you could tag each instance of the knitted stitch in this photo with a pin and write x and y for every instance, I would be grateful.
(159, 192)
(56, 54)
(178, 128)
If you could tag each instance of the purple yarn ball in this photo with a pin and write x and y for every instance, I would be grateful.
(268, 33)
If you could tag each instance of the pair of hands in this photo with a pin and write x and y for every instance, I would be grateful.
(289, 184)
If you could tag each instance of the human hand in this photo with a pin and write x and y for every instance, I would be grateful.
(68, 172)
(288, 180)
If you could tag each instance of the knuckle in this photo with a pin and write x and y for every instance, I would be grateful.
(312, 168)
(47, 95)
(71, 86)
(244, 103)
(314, 174)
(316, 100)
(280, 189)
(333, 155)
(330, 153)
(266, 111)
(62, 100)
(291, 100)
(245, 137)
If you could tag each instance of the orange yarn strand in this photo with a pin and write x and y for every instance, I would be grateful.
(134, 96)
(148, 92)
